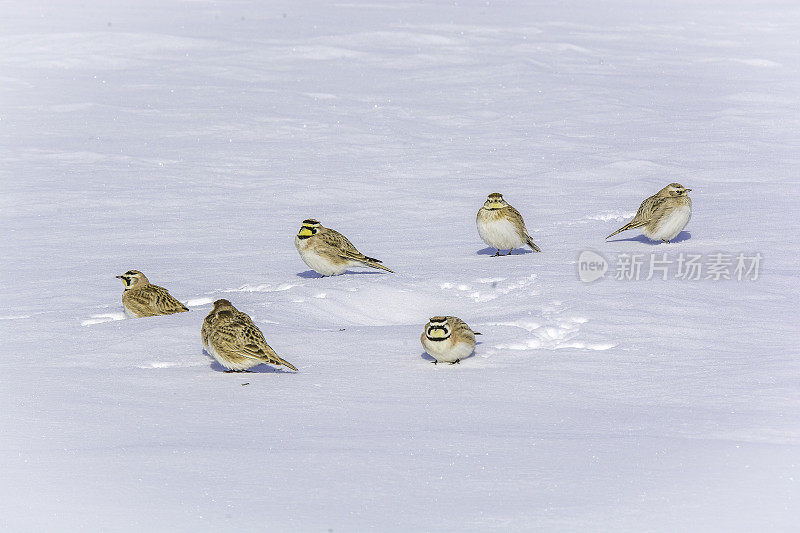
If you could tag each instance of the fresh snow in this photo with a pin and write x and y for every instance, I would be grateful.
(189, 139)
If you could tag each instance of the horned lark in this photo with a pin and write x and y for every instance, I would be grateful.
(448, 339)
(232, 338)
(328, 252)
(501, 226)
(141, 298)
(663, 215)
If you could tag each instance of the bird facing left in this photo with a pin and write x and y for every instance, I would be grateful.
(328, 252)
(141, 298)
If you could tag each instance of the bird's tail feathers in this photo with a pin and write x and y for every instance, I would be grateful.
(375, 263)
(629, 225)
(279, 360)
(532, 244)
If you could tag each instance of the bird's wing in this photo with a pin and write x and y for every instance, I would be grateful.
(153, 301)
(670, 203)
(340, 243)
(461, 328)
(165, 303)
(457, 323)
(516, 218)
(205, 331)
(647, 210)
(248, 341)
(645, 213)
(138, 302)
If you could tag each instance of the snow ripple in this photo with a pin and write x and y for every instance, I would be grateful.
(103, 317)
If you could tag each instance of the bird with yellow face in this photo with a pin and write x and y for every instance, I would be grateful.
(328, 252)
(448, 339)
(141, 298)
(501, 226)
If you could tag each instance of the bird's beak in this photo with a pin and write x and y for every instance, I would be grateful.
(119, 277)
(688, 190)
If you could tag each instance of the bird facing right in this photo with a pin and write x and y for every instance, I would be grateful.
(501, 226)
(663, 215)
(232, 338)
(448, 339)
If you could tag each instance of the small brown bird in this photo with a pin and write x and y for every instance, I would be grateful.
(232, 338)
(663, 215)
(141, 298)
(501, 226)
(328, 252)
(448, 339)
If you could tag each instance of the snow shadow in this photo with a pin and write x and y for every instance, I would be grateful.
(516, 251)
(682, 236)
(310, 274)
(259, 369)
(429, 358)
(426, 356)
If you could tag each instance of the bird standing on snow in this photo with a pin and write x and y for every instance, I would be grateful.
(232, 338)
(141, 298)
(663, 215)
(501, 226)
(448, 339)
(328, 252)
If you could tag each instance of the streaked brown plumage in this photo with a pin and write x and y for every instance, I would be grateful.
(662, 215)
(328, 252)
(501, 226)
(233, 339)
(141, 298)
(448, 339)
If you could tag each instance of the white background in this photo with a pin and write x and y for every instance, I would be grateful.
(190, 139)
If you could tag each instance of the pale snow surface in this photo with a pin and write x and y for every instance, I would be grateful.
(189, 139)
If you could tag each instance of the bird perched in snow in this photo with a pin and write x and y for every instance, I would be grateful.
(501, 226)
(328, 252)
(663, 215)
(448, 339)
(232, 338)
(142, 298)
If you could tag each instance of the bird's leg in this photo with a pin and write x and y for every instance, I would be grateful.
(665, 240)
(435, 362)
(455, 362)
(497, 254)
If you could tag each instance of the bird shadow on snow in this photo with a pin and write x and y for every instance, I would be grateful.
(260, 369)
(429, 358)
(310, 274)
(491, 251)
(682, 236)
